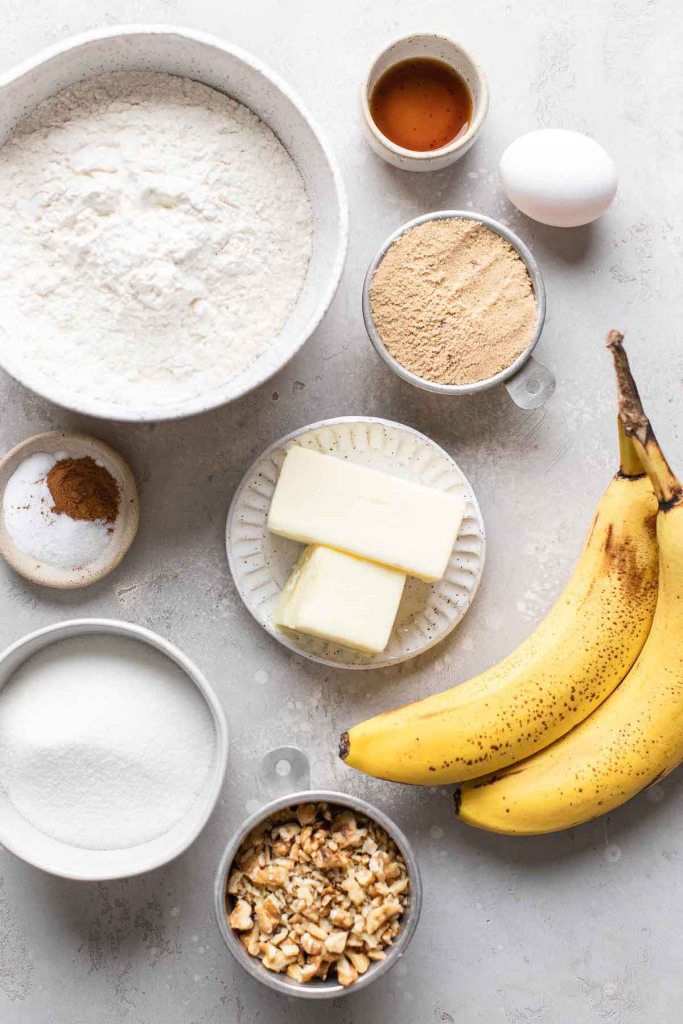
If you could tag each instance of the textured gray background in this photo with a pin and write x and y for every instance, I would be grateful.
(582, 926)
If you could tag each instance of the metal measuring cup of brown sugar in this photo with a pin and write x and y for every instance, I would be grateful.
(529, 383)
(284, 776)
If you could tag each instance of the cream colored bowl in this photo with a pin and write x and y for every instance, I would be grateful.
(124, 529)
(449, 52)
(179, 51)
(23, 839)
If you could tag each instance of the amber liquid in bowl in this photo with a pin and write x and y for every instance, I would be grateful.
(421, 104)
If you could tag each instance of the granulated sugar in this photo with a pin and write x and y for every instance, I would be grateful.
(453, 301)
(104, 742)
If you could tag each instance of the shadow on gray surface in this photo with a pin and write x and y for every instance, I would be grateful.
(112, 920)
(433, 190)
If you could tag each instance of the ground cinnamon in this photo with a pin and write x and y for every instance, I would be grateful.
(83, 489)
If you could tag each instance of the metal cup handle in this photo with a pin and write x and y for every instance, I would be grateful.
(282, 771)
(532, 386)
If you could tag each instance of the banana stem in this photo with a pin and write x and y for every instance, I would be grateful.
(638, 429)
(629, 463)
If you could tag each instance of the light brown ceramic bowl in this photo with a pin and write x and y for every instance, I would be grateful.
(124, 528)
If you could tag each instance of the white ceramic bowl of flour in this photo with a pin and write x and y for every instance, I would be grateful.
(50, 741)
(201, 59)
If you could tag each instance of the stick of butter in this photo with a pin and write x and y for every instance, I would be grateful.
(324, 500)
(341, 598)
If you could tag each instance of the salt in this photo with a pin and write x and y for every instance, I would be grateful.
(49, 537)
(104, 742)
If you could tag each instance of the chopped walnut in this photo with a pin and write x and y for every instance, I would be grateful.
(241, 919)
(272, 875)
(376, 865)
(356, 894)
(336, 942)
(359, 960)
(311, 945)
(250, 941)
(275, 960)
(279, 937)
(341, 918)
(346, 972)
(326, 858)
(302, 974)
(364, 877)
(289, 831)
(268, 913)
(317, 891)
(379, 915)
(306, 814)
(346, 832)
(234, 882)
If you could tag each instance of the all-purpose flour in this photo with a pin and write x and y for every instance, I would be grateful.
(154, 238)
(104, 742)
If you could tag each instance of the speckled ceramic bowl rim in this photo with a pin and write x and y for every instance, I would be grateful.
(462, 141)
(328, 989)
(537, 283)
(219, 397)
(210, 792)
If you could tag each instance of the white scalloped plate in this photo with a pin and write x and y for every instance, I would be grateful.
(260, 562)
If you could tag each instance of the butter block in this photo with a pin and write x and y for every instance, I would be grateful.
(320, 499)
(341, 598)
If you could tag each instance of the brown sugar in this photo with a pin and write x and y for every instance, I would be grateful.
(453, 301)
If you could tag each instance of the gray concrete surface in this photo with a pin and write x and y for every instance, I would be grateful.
(583, 926)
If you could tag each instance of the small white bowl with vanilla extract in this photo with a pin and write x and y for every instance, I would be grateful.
(424, 102)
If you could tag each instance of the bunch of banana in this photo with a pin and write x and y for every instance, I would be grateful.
(574, 659)
(636, 736)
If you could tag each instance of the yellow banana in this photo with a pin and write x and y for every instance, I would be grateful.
(577, 655)
(636, 736)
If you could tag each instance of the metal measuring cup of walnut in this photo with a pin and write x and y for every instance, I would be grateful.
(318, 893)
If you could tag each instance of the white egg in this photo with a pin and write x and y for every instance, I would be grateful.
(558, 177)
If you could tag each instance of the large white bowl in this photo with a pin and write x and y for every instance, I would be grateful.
(179, 51)
(22, 838)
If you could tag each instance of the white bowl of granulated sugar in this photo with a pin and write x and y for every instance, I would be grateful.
(113, 749)
(173, 226)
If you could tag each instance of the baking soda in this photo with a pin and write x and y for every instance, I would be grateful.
(104, 742)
